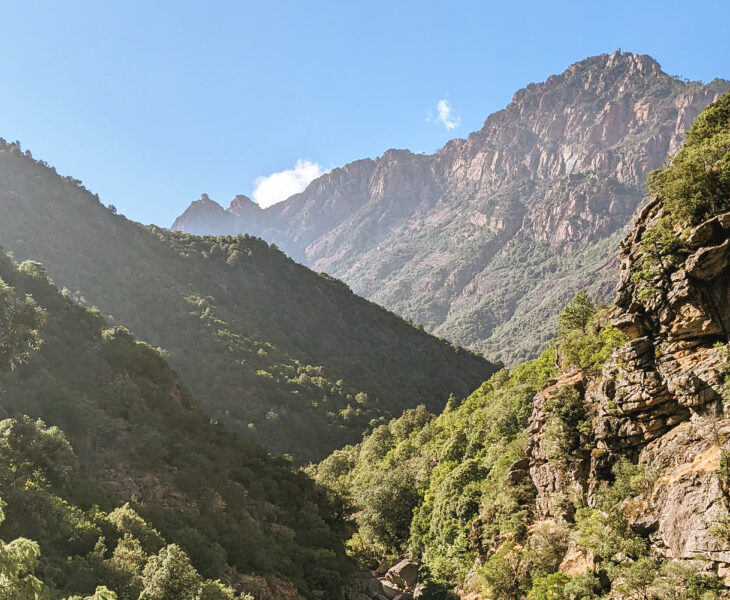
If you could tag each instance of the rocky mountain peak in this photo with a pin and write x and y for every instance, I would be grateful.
(203, 215)
(500, 229)
(245, 210)
(597, 73)
(242, 203)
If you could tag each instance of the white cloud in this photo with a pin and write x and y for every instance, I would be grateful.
(446, 116)
(276, 187)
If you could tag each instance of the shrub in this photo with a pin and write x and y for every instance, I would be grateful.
(585, 337)
(502, 574)
(677, 581)
(546, 548)
(696, 182)
(566, 417)
(549, 587)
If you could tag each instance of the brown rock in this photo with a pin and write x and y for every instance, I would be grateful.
(707, 263)
(404, 574)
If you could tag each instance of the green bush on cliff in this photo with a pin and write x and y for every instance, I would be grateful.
(565, 421)
(586, 339)
(696, 182)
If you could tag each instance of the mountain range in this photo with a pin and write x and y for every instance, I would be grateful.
(160, 391)
(484, 241)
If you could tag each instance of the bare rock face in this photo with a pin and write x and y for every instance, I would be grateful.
(658, 399)
(204, 216)
(494, 233)
(688, 498)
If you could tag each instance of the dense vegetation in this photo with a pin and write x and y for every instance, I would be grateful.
(115, 485)
(290, 358)
(446, 490)
(109, 465)
(693, 185)
(696, 182)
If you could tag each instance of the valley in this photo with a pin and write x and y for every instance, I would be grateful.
(257, 404)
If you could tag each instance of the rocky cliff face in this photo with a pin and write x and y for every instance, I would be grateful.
(490, 236)
(659, 399)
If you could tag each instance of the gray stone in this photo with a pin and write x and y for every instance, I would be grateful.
(404, 574)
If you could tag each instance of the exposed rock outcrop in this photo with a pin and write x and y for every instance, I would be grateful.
(266, 588)
(658, 399)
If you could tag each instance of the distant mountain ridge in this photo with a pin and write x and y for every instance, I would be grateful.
(290, 358)
(483, 241)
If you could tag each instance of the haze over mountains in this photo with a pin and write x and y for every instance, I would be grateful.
(483, 241)
(289, 358)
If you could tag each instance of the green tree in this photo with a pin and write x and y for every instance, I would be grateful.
(126, 521)
(123, 570)
(18, 561)
(386, 499)
(169, 575)
(29, 450)
(549, 587)
(20, 320)
(638, 579)
(696, 182)
(215, 590)
(102, 593)
(677, 581)
(576, 314)
(583, 587)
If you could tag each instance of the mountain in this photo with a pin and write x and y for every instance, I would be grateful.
(600, 469)
(125, 463)
(290, 358)
(484, 241)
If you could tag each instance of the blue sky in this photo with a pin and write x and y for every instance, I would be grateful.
(153, 103)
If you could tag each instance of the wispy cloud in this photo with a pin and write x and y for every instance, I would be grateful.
(276, 187)
(445, 115)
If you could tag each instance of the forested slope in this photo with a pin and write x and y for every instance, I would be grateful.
(290, 358)
(118, 427)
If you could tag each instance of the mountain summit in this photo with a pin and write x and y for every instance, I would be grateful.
(483, 241)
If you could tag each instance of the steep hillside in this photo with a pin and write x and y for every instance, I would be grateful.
(290, 358)
(602, 468)
(485, 240)
(119, 427)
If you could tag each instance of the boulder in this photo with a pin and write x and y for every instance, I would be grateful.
(645, 525)
(519, 472)
(383, 567)
(390, 591)
(374, 587)
(404, 574)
